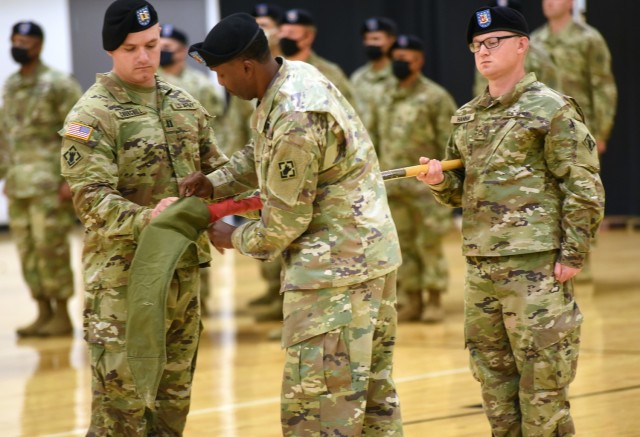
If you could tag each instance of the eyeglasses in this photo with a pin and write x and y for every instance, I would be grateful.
(489, 43)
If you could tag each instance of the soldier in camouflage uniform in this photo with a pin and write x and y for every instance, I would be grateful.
(584, 65)
(36, 101)
(269, 16)
(583, 60)
(297, 33)
(126, 145)
(378, 35)
(412, 118)
(174, 70)
(537, 61)
(325, 212)
(532, 199)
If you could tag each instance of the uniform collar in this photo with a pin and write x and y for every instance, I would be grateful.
(261, 114)
(113, 84)
(507, 99)
(32, 78)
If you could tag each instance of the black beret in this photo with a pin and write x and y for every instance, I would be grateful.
(379, 24)
(124, 17)
(410, 42)
(486, 20)
(228, 39)
(275, 12)
(515, 4)
(168, 31)
(298, 16)
(27, 28)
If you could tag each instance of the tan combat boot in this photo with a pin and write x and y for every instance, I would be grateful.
(45, 314)
(412, 308)
(60, 323)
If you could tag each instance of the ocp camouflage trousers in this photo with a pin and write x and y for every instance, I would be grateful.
(522, 328)
(116, 407)
(339, 383)
(40, 227)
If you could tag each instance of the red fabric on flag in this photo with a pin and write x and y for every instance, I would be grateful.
(233, 207)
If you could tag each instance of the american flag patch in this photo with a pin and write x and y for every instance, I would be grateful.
(78, 130)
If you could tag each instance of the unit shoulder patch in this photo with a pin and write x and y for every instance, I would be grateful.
(72, 156)
(287, 169)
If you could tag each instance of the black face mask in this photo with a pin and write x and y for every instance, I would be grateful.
(373, 52)
(166, 58)
(289, 46)
(20, 55)
(400, 69)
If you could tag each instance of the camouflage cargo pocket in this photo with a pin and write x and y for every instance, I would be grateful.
(106, 317)
(318, 366)
(555, 366)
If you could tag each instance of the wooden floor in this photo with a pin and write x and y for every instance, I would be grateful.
(44, 384)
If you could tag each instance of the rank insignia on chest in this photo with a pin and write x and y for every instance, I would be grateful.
(79, 131)
(72, 156)
(287, 169)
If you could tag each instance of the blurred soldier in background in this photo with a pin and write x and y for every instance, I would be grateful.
(413, 117)
(269, 16)
(297, 33)
(36, 101)
(583, 60)
(378, 35)
(174, 69)
(537, 61)
(584, 66)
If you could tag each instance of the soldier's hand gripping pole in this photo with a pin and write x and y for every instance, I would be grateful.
(407, 172)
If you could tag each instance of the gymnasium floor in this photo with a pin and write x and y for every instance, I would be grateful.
(46, 390)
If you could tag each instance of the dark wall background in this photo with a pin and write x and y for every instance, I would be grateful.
(442, 25)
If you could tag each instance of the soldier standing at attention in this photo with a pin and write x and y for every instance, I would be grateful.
(378, 35)
(325, 212)
(413, 118)
(297, 33)
(127, 143)
(532, 200)
(537, 61)
(36, 101)
(269, 16)
(175, 71)
(584, 66)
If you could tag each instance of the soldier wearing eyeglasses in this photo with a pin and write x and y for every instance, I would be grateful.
(532, 200)
(537, 61)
